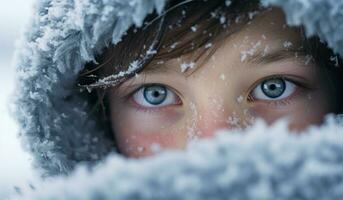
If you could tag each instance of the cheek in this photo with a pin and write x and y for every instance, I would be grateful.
(144, 144)
(140, 134)
(301, 113)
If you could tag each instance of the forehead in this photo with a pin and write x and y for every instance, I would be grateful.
(265, 31)
(271, 23)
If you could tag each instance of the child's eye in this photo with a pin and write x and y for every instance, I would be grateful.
(155, 96)
(273, 89)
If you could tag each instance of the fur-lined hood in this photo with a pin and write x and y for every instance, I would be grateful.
(65, 35)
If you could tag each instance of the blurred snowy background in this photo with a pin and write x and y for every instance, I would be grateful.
(14, 163)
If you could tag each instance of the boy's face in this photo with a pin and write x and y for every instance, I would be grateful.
(258, 72)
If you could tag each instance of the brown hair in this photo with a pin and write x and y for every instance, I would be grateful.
(168, 36)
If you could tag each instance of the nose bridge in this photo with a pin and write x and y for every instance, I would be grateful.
(214, 107)
(208, 125)
(214, 114)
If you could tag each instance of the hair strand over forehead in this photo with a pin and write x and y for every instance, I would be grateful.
(169, 35)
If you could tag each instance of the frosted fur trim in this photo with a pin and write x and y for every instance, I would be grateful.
(63, 36)
(261, 164)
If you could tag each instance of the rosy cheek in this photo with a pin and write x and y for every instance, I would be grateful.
(140, 134)
(144, 144)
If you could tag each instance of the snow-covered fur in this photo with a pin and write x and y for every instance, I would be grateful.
(63, 36)
(53, 115)
(257, 166)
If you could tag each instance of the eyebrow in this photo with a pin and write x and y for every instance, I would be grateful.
(156, 68)
(162, 68)
(262, 57)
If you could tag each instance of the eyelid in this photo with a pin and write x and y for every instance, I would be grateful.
(126, 92)
(297, 80)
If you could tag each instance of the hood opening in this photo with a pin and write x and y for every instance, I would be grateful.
(60, 44)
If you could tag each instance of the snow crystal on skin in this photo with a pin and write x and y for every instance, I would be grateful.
(239, 99)
(249, 120)
(191, 130)
(217, 105)
(222, 77)
(265, 50)
(250, 52)
(186, 66)
(234, 121)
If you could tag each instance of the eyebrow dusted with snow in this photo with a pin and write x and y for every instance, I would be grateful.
(255, 55)
(266, 56)
(159, 67)
(163, 67)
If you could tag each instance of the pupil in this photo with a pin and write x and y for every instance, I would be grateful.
(272, 87)
(156, 94)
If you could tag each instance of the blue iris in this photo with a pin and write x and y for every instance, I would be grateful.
(273, 88)
(155, 94)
